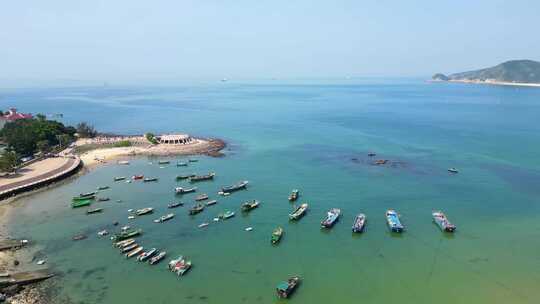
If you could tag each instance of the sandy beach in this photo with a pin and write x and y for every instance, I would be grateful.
(107, 154)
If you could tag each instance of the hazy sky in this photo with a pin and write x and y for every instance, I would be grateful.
(132, 40)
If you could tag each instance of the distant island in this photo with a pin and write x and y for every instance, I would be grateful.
(513, 72)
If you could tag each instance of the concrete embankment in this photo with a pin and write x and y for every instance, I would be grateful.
(71, 166)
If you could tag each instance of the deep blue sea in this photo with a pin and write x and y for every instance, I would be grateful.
(314, 136)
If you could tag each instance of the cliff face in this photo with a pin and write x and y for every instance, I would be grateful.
(523, 71)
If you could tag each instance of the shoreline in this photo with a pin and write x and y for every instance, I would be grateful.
(101, 155)
(496, 83)
(33, 293)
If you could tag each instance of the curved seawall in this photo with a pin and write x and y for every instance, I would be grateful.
(70, 167)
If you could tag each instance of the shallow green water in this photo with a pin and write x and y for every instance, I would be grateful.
(313, 137)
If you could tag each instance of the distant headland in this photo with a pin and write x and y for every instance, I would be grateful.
(513, 72)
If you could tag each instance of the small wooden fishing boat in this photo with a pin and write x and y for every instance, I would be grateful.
(193, 160)
(164, 162)
(123, 242)
(235, 187)
(164, 218)
(180, 190)
(200, 178)
(81, 203)
(126, 235)
(442, 221)
(331, 218)
(202, 225)
(129, 248)
(146, 255)
(175, 204)
(453, 170)
(179, 265)
(381, 161)
(119, 178)
(144, 211)
(276, 235)
(103, 188)
(123, 162)
(286, 288)
(212, 202)
(157, 258)
(137, 177)
(359, 223)
(181, 164)
(201, 197)
(95, 210)
(226, 215)
(196, 209)
(79, 237)
(249, 205)
(298, 212)
(103, 199)
(83, 197)
(103, 232)
(134, 252)
(150, 179)
(392, 218)
(294, 195)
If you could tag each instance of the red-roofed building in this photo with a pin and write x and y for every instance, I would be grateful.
(12, 115)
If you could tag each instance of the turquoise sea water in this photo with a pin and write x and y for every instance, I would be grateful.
(314, 136)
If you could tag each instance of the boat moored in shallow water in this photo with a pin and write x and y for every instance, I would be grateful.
(276, 235)
(331, 218)
(96, 210)
(119, 178)
(294, 195)
(442, 221)
(175, 204)
(392, 218)
(81, 203)
(235, 187)
(286, 288)
(226, 215)
(184, 176)
(146, 255)
(298, 212)
(181, 164)
(453, 170)
(157, 258)
(200, 178)
(179, 265)
(180, 190)
(150, 179)
(201, 197)
(359, 223)
(127, 234)
(134, 252)
(144, 211)
(249, 205)
(137, 177)
(196, 209)
(164, 218)
(212, 202)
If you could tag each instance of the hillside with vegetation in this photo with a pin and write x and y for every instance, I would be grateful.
(518, 71)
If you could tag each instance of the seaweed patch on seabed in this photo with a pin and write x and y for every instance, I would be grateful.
(93, 271)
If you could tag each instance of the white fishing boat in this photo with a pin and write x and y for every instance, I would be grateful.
(164, 218)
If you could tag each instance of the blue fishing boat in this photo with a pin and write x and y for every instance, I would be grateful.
(392, 218)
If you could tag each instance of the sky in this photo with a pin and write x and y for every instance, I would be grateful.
(152, 41)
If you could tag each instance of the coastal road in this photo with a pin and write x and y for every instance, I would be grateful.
(37, 172)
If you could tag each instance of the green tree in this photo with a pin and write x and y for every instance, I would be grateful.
(43, 146)
(8, 161)
(86, 130)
